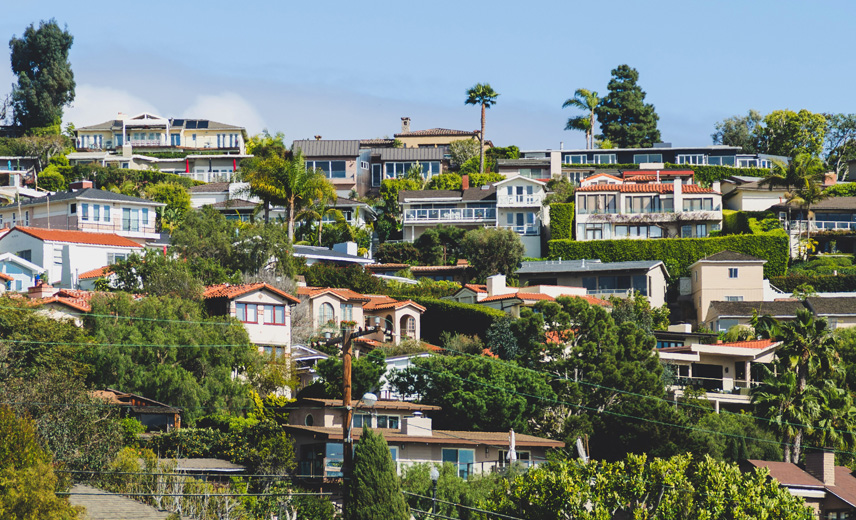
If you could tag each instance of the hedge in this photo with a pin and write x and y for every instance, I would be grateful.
(821, 283)
(704, 174)
(446, 315)
(740, 222)
(679, 253)
(561, 220)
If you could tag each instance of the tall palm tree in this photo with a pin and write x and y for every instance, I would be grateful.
(484, 95)
(301, 187)
(778, 401)
(320, 208)
(262, 175)
(586, 100)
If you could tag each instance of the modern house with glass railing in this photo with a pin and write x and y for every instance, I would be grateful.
(316, 427)
(646, 204)
(725, 371)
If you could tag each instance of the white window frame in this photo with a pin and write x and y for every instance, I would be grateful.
(575, 159)
(692, 158)
(610, 158)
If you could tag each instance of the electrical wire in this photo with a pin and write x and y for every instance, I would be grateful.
(500, 515)
(115, 316)
(149, 345)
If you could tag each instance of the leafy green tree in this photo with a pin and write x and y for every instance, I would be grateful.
(500, 339)
(492, 251)
(503, 152)
(445, 181)
(482, 179)
(840, 143)
(451, 489)
(390, 219)
(485, 96)
(476, 392)
(374, 490)
(587, 101)
(789, 133)
(398, 253)
(52, 180)
(738, 131)
(638, 310)
(156, 275)
(171, 353)
(625, 119)
(734, 437)
(354, 277)
(440, 245)
(463, 150)
(366, 372)
(27, 477)
(45, 79)
(176, 198)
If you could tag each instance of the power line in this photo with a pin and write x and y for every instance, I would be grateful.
(114, 316)
(500, 515)
(152, 345)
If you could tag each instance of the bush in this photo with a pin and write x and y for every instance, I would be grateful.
(444, 181)
(397, 253)
(679, 253)
(843, 189)
(463, 318)
(561, 220)
(746, 222)
(820, 283)
(354, 277)
(52, 180)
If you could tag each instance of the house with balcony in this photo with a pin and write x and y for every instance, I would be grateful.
(467, 208)
(830, 220)
(578, 164)
(741, 193)
(519, 207)
(723, 370)
(203, 167)
(342, 162)
(264, 311)
(156, 133)
(529, 168)
(64, 255)
(83, 208)
(642, 206)
(329, 308)
(316, 427)
(601, 279)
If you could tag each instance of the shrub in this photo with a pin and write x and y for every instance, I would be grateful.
(463, 318)
(741, 222)
(397, 253)
(843, 189)
(820, 283)
(562, 220)
(679, 253)
(444, 181)
(354, 277)
(52, 180)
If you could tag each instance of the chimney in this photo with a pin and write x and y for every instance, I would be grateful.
(79, 185)
(716, 186)
(462, 261)
(678, 200)
(465, 182)
(41, 290)
(405, 125)
(821, 465)
(416, 426)
(561, 145)
(496, 285)
(349, 248)
(317, 137)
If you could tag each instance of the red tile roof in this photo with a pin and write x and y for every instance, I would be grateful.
(435, 131)
(345, 294)
(96, 273)
(378, 302)
(475, 287)
(233, 291)
(78, 237)
(4, 276)
(543, 297)
(595, 176)
(428, 268)
(386, 267)
(647, 188)
(78, 300)
(758, 344)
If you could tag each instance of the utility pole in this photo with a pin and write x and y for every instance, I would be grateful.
(348, 443)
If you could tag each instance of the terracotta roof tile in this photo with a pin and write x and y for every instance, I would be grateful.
(386, 267)
(345, 294)
(79, 237)
(475, 287)
(6, 277)
(379, 302)
(96, 273)
(596, 175)
(233, 291)
(691, 189)
(435, 131)
(758, 344)
(430, 268)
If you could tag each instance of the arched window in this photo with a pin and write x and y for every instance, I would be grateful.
(325, 315)
(408, 326)
(309, 420)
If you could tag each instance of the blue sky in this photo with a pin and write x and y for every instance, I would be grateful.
(348, 70)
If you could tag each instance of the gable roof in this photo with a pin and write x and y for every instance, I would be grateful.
(782, 308)
(211, 187)
(833, 306)
(77, 237)
(787, 473)
(519, 178)
(588, 265)
(343, 294)
(730, 256)
(233, 291)
(437, 132)
(5, 277)
(74, 299)
(15, 259)
(379, 302)
(95, 273)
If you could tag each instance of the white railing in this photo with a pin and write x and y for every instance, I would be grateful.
(525, 230)
(450, 215)
(520, 200)
(821, 225)
(146, 142)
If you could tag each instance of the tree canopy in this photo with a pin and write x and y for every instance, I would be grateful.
(625, 119)
(483, 95)
(492, 251)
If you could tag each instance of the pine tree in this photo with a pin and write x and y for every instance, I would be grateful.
(624, 118)
(374, 490)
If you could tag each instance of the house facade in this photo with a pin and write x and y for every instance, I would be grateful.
(316, 426)
(19, 274)
(519, 207)
(84, 208)
(264, 311)
(748, 194)
(642, 206)
(65, 254)
(433, 137)
(601, 279)
(726, 276)
(839, 311)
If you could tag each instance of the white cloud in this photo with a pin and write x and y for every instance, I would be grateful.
(93, 105)
(229, 108)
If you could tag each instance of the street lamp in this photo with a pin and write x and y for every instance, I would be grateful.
(435, 476)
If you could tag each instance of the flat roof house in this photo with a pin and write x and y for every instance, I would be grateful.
(726, 276)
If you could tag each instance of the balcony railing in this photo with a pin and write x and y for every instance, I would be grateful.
(716, 384)
(821, 225)
(530, 230)
(146, 142)
(450, 215)
(520, 200)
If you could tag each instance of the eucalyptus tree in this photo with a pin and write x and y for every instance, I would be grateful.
(484, 95)
(588, 101)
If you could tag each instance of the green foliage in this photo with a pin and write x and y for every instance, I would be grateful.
(170, 360)
(639, 488)
(638, 310)
(425, 287)
(471, 167)
(820, 283)
(679, 253)
(19, 442)
(789, 133)
(45, 79)
(440, 245)
(451, 489)
(624, 117)
(735, 437)
(482, 94)
(492, 251)
(156, 275)
(500, 339)
(366, 372)
(748, 222)
(462, 151)
(707, 174)
(374, 491)
(738, 131)
(842, 189)
(482, 179)
(475, 392)
(131, 429)
(456, 344)
(124, 180)
(562, 220)
(464, 318)
(561, 190)
(397, 253)
(445, 181)
(503, 152)
(354, 277)
(176, 198)
(52, 180)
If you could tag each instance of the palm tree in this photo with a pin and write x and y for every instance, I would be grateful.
(484, 95)
(587, 100)
(301, 187)
(778, 401)
(262, 175)
(322, 206)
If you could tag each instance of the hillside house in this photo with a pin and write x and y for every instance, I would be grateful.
(19, 274)
(726, 276)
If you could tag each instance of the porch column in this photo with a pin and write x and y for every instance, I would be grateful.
(748, 374)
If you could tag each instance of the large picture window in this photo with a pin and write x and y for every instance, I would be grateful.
(331, 169)
(462, 459)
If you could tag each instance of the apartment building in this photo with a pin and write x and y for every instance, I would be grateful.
(646, 204)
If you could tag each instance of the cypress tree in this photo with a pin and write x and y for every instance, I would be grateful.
(374, 491)
(625, 119)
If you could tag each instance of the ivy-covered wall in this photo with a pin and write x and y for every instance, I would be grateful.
(679, 253)
(447, 315)
(561, 220)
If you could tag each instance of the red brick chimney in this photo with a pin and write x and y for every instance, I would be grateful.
(465, 182)
(42, 290)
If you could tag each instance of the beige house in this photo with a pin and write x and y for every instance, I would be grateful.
(316, 426)
(330, 308)
(723, 370)
(726, 276)
(264, 310)
(747, 194)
